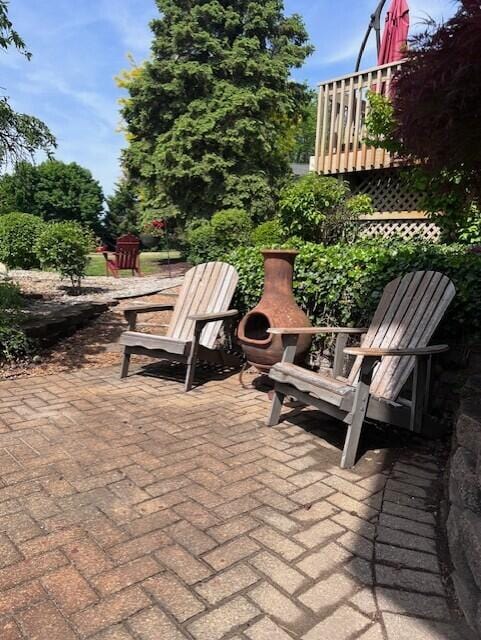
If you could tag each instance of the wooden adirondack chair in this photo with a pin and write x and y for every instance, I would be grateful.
(394, 346)
(126, 256)
(202, 306)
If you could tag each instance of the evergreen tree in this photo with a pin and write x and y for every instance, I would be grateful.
(305, 132)
(206, 115)
(122, 214)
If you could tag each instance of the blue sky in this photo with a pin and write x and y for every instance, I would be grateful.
(79, 47)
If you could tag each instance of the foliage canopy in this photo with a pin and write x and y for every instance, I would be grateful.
(212, 239)
(205, 116)
(18, 234)
(64, 247)
(320, 209)
(437, 94)
(53, 190)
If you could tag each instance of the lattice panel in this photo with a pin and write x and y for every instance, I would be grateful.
(406, 229)
(389, 192)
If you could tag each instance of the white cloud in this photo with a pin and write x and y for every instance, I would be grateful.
(131, 22)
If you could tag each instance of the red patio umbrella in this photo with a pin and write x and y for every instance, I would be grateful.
(395, 36)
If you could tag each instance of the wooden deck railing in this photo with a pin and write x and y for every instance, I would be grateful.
(341, 118)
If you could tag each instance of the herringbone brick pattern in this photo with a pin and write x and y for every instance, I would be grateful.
(129, 510)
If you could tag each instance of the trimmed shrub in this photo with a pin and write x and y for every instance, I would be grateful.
(13, 342)
(213, 239)
(64, 247)
(342, 284)
(268, 234)
(18, 234)
(321, 209)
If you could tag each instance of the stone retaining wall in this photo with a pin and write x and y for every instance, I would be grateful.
(464, 522)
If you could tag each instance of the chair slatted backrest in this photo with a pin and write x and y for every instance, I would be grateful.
(127, 249)
(207, 288)
(408, 314)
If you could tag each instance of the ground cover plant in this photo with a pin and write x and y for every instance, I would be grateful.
(13, 342)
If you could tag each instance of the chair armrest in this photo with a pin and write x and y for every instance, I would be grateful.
(148, 308)
(212, 317)
(313, 330)
(376, 352)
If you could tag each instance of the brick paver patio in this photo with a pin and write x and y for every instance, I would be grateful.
(129, 510)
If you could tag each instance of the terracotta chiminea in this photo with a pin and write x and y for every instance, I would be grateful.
(277, 308)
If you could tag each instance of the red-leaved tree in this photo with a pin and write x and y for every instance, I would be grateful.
(437, 98)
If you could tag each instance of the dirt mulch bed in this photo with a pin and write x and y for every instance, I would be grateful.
(94, 345)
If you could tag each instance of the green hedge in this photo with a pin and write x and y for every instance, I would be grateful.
(18, 234)
(211, 239)
(342, 284)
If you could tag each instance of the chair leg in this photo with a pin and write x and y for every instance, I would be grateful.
(191, 362)
(124, 370)
(276, 407)
(359, 409)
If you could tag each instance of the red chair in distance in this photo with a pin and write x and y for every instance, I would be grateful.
(126, 256)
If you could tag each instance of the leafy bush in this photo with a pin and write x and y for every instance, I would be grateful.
(469, 232)
(381, 124)
(444, 195)
(268, 234)
(320, 209)
(212, 239)
(13, 341)
(18, 234)
(342, 284)
(64, 247)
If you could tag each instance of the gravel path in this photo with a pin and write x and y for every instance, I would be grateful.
(99, 289)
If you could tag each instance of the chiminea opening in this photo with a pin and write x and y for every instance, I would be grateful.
(255, 329)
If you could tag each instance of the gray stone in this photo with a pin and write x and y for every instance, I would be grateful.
(405, 499)
(328, 593)
(408, 603)
(410, 479)
(411, 526)
(463, 485)
(418, 515)
(341, 625)
(410, 490)
(470, 530)
(404, 628)
(407, 540)
(421, 581)
(468, 426)
(415, 471)
(361, 570)
(468, 597)
(406, 558)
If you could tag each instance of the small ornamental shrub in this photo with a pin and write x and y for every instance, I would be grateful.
(321, 209)
(211, 239)
(268, 234)
(18, 234)
(342, 284)
(13, 342)
(64, 247)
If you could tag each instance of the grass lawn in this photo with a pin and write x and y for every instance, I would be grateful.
(149, 263)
